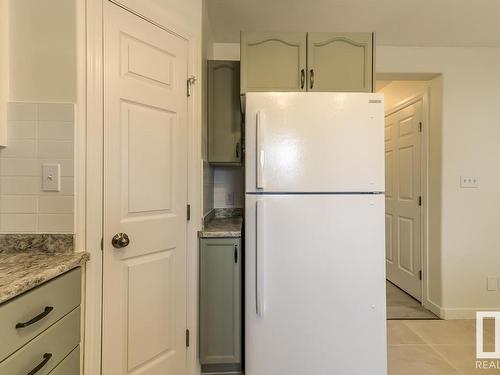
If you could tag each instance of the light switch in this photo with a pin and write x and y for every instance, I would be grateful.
(469, 182)
(51, 175)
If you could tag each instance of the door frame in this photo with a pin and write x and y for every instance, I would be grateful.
(91, 151)
(424, 189)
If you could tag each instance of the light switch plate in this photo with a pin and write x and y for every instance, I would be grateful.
(51, 177)
(469, 182)
(492, 283)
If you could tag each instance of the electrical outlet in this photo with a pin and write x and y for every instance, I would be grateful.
(492, 283)
(230, 198)
(469, 182)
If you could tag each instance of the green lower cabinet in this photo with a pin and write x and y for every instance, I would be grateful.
(220, 304)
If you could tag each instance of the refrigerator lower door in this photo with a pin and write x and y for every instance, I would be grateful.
(315, 285)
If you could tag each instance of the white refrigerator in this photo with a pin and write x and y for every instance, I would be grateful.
(314, 234)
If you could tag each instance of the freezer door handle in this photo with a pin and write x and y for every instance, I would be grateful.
(259, 152)
(259, 259)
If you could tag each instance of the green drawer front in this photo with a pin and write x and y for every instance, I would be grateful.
(63, 294)
(59, 340)
(70, 365)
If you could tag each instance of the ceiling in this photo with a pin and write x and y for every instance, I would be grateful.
(396, 22)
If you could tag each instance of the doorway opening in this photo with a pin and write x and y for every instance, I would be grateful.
(412, 112)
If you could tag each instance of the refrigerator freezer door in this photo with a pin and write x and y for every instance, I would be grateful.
(314, 142)
(315, 285)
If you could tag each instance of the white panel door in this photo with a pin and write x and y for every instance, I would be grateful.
(314, 284)
(403, 191)
(145, 185)
(314, 142)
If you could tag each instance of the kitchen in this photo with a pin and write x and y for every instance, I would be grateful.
(216, 187)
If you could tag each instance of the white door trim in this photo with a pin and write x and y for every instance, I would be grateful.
(424, 168)
(92, 180)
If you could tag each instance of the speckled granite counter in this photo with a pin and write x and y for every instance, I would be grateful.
(24, 266)
(223, 223)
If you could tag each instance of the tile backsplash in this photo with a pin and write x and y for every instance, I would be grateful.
(37, 133)
(229, 188)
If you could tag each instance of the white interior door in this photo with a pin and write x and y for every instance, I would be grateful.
(403, 204)
(145, 196)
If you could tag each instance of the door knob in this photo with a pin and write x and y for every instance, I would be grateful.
(120, 240)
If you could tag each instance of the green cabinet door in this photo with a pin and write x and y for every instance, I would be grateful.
(340, 62)
(220, 304)
(224, 117)
(273, 61)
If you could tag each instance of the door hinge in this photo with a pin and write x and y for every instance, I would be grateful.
(188, 212)
(420, 126)
(190, 82)
(187, 338)
(102, 244)
(420, 275)
(420, 201)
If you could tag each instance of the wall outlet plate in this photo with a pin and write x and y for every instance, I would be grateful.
(469, 182)
(492, 283)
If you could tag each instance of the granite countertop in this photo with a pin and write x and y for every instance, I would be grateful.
(28, 261)
(223, 224)
(25, 270)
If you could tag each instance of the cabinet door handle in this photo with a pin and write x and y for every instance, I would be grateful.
(235, 253)
(43, 314)
(302, 78)
(311, 78)
(237, 150)
(46, 358)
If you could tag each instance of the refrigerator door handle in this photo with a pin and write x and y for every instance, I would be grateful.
(259, 152)
(259, 261)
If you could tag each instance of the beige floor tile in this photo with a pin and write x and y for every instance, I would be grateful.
(417, 360)
(463, 358)
(398, 333)
(402, 306)
(445, 332)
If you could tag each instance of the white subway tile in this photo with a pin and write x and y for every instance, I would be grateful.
(55, 223)
(19, 167)
(19, 149)
(55, 149)
(18, 204)
(56, 205)
(55, 130)
(25, 223)
(21, 130)
(67, 165)
(56, 112)
(20, 185)
(21, 111)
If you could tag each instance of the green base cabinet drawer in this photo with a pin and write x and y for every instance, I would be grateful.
(47, 350)
(220, 303)
(37, 309)
(70, 365)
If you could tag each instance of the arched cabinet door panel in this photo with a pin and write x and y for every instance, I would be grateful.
(273, 61)
(340, 62)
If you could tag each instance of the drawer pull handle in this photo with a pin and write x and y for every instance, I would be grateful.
(37, 318)
(46, 358)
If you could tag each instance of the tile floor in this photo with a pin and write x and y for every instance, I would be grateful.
(435, 347)
(402, 306)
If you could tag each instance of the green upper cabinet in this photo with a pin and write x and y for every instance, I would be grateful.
(224, 116)
(273, 61)
(307, 62)
(340, 62)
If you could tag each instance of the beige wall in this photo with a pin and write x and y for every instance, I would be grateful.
(42, 50)
(396, 93)
(470, 245)
(4, 68)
